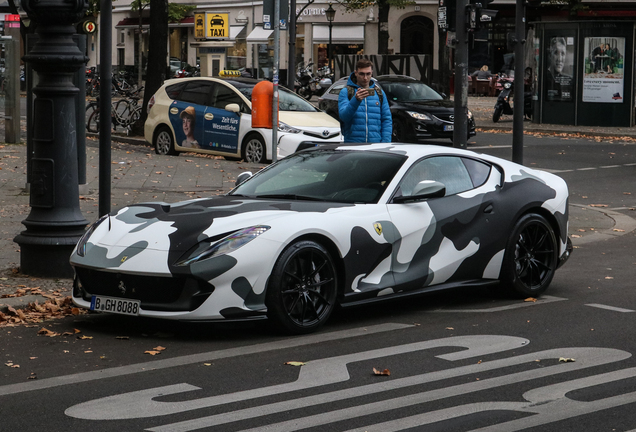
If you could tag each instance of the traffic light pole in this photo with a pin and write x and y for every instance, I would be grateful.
(460, 135)
(518, 114)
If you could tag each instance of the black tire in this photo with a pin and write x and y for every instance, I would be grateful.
(302, 290)
(92, 106)
(164, 142)
(530, 260)
(497, 114)
(254, 150)
(397, 134)
(92, 124)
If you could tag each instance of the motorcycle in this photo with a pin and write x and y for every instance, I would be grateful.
(308, 84)
(502, 106)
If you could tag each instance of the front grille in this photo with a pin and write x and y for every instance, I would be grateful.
(320, 135)
(178, 293)
(444, 117)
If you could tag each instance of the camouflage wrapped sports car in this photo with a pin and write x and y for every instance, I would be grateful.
(340, 224)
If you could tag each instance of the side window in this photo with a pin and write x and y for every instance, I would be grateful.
(479, 171)
(336, 89)
(449, 170)
(197, 92)
(174, 90)
(224, 96)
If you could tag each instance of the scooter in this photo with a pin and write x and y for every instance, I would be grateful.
(308, 84)
(503, 100)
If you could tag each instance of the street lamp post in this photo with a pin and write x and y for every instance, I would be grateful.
(331, 14)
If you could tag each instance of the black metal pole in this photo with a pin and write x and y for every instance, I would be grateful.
(105, 72)
(517, 119)
(460, 135)
(291, 58)
(329, 49)
(55, 223)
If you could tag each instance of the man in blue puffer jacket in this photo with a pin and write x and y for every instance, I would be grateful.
(365, 117)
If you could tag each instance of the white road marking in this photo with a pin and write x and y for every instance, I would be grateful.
(490, 147)
(586, 169)
(541, 300)
(196, 358)
(611, 166)
(331, 370)
(612, 308)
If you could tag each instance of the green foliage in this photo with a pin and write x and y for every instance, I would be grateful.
(139, 4)
(93, 8)
(354, 5)
(178, 11)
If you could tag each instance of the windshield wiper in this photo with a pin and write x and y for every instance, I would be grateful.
(291, 197)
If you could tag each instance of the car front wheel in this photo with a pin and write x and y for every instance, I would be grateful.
(398, 131)
(164, 142)
(254, 149)
(302, 290)
(530, 259)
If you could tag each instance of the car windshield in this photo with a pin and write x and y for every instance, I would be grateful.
(287, 100)
(348, 176)
(410, 91)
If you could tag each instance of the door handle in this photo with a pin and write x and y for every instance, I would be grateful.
(489, 208)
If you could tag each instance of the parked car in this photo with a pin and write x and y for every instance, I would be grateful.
(214, 116)
(419, 112)
(335, 224)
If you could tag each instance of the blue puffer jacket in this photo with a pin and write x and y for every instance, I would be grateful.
(364, 121)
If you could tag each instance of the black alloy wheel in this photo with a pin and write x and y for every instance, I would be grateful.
(530, 259)
(302, 290)
(397, 134)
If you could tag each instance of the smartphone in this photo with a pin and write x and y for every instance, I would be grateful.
(371, 91)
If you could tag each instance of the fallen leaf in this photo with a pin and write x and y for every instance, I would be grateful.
(295, 363)
(152, 352)
(207, 364)
(32, 376)
(609, 277)
(88, 352)
(449, 328)
(48, 333)
(530, 299)
(85, 337)
(384, 372)
(575, 236)
(618, 230)
(566, 360)
(159, 348)
(598, 205)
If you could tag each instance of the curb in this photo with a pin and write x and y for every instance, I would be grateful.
(623, 224)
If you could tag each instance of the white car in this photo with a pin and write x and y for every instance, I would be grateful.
(214, 116)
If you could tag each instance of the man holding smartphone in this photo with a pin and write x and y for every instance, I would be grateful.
(364, 110)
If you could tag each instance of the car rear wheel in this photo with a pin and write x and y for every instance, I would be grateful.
(302, 290)
(254, 149)
(530, 259)
(164, 142)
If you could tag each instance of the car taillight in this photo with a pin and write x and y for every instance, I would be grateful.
(151, 102)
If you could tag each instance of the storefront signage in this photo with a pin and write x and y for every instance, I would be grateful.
(89, 27)
(603, 74)
(218, 25)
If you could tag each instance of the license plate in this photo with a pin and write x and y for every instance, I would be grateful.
(115, 305)
(449, 128)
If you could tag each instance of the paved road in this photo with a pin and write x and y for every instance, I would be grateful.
(458, 361)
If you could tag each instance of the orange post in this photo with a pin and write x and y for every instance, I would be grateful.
(262, 105)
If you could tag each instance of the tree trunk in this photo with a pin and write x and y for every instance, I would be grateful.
(140, 46)
(157, 55)
(383, 29)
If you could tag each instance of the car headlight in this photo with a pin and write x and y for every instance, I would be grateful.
(283, 127)
(223, 246)
(470, 115)
(419, 116)
(81, 244)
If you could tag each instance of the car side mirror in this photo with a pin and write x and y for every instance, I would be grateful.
(423, 190)
(233, 107)
(242, 176)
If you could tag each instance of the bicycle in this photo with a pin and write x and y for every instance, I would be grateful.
(124, 113)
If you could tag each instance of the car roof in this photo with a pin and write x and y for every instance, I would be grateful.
(411, 150)
(395, 78)
(232, 80)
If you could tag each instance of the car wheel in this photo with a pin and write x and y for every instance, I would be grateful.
(164, 142)
(397, 135)
(496, 114)
(530, 259)
(254, 149)
(302, 290)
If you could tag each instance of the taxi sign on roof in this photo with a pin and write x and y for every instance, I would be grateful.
(229, 73)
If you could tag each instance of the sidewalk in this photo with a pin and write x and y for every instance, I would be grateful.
(139, 175)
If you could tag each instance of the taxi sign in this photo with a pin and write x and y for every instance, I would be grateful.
(230, 73)
(218, 25)
(199, 25)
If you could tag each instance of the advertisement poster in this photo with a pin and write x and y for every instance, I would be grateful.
(207, 128)
(603, 77)
(559, 82)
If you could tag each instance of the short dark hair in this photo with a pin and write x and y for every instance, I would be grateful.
(364, 63)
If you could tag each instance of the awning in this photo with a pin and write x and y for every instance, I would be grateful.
(133, 22)
(259, 35)
(339, 34)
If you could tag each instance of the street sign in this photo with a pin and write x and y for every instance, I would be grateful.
(199, 25)
(218, 25)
